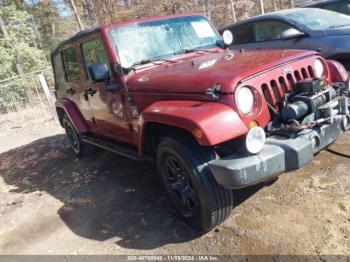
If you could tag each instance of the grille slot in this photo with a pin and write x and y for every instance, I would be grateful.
(275, 90)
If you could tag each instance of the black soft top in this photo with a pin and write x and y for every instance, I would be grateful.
(74, 38)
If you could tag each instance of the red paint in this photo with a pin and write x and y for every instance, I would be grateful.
(175, 93)
(218, 122)
(75, 116)
(337, 71)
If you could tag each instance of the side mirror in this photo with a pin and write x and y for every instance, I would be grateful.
(99, 72)
(292, 33)
(227, 36)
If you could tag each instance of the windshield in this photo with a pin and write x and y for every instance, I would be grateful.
(318, 19)
(154, 40)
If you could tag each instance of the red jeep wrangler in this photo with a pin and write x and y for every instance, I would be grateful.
(167, 89)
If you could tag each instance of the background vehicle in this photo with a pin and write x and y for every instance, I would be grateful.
(166, 89)
(313, 29)
(340, 6)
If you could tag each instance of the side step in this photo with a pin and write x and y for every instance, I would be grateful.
(122, 151)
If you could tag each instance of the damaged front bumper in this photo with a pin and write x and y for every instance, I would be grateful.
(278, 155)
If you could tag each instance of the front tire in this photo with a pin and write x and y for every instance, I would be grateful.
(80, 148)
(183, 165)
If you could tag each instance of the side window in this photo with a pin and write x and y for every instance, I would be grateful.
(71, 64)
(269, 30)
(242, 34)
(58, 72)
(340, 7)
(94, 53)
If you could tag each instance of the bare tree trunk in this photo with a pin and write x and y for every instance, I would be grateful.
(274, 5)
(233, 11)
(262, 7)
(76, 14)
(291, 3)
(207, 8)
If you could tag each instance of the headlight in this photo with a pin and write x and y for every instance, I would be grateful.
(245, 99)
(255, 140)
(319, 68)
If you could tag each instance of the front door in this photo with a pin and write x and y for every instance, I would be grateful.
(107, 107)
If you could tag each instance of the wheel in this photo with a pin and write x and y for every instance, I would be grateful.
(80, 148)
(183, 165)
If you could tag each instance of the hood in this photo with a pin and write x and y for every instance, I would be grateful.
(197, 74)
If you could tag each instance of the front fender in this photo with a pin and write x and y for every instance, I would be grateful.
(211, 123)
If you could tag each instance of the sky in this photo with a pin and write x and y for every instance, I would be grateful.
(62, 7)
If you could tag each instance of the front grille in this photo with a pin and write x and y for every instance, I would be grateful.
(275, 90)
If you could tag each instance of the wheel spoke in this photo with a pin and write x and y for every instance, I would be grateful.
(180, 185)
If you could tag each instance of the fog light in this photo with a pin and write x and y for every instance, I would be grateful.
(255, 140)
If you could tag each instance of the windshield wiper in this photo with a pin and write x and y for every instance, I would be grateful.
(191, 50)
(338, 26)
(148, 61)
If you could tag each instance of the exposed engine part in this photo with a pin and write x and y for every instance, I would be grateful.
(309, 95)
(343, 105)
(294, 110)
(311, 104)
(310, 85)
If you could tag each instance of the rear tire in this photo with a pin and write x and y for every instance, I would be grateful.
(80, 148)
(183, 165)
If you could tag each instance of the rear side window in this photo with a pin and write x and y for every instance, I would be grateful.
(58, 71)
(242, 34)
(94, 53)
(71, 64)
(269, 30)
(340, 7)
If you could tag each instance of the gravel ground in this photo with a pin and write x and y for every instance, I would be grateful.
(53, 203)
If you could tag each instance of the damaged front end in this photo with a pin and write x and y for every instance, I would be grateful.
(303, 122)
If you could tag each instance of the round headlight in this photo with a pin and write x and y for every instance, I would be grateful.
(319, 68)
(255, 140)
(245, 99)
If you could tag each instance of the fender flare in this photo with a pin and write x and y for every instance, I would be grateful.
(337, 71)
(74, 115)
(209, 122)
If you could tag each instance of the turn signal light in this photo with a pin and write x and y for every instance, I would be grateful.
(252, 124)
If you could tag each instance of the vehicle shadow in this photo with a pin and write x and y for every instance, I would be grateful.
(103, 195)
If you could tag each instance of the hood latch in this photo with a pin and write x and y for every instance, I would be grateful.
(214, 92)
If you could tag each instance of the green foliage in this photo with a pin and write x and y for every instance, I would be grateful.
(17, 47)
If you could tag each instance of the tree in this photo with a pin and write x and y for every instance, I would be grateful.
(17, 52)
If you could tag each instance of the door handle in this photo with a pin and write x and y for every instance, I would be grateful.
(70, 91)
(90, 91)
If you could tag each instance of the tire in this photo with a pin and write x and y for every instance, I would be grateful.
(80, 148)
(183, 165)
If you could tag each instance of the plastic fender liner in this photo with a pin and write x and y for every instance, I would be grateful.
(75, 116)
(337, 71)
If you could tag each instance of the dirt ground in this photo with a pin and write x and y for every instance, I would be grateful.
(53, 203)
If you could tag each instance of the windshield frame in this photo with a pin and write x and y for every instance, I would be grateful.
(159, 19)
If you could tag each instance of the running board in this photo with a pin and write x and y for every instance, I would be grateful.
(119, 150)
